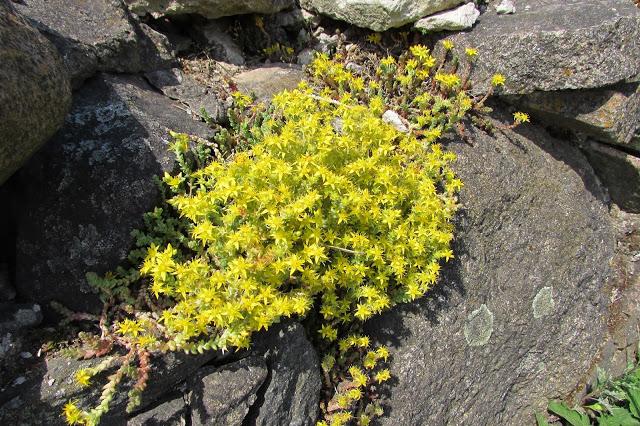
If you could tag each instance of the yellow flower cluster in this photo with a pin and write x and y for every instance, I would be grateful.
(350, 215)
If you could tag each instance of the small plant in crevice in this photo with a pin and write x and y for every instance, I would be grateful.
(312, 207)
(611, 402)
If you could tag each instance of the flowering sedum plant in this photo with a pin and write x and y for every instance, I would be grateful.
(319, 206)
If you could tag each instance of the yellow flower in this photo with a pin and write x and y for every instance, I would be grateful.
(498, 80)
(129, 327)
(383, 376)
(448, 80)
(448, 44)
(471, 53)
(73, 415)
(83, 377)
(521, 117)
(375, 38)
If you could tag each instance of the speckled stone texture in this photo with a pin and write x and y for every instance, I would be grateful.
(379, 15)
(84, 193)
(207, 8)
(551, 45)
(97, 35)
(519, 316)
(35, 93)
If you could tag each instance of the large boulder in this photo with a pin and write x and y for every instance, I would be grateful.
(97, 35)
(573, 44)
(82, 195)
(35, 94)
(378, 15)
(521, 313)
(207, 8)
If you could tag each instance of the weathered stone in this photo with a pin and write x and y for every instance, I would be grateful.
(619, 172)
(38, 401)
(457, 19)
(83, 194)
(267, 81)
(609, 114)
(223, 396)
(291, 394)
(207, 8)
(172, 412)
(548, 45)
(190, 92)
(35, 94)
(97, 35)
(378, 15)
(533, 219)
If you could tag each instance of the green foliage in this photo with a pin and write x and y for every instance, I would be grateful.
(613, 402)
(312, 207)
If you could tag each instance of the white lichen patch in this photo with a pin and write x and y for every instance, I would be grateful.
(479, 326)
(543, 303)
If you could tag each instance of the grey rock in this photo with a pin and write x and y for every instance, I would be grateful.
(15, 317)
(172, 412)
(378, 15)
(533, 216)
(505, 7)
(207, 8)
(224, 47)
(291, 394)
(87, 190)
(97, 35)
(223, 396)
(619, 172)
(51, 384)
(457, 19)
(557, 45)
(35, 93)
(266, 81)
(610, 114)
(181, 87)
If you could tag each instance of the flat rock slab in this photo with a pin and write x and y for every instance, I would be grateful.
(379, 15)
(266, 81)
(35, 92)
(520, 314)
(207, 8)
(97, 35)
(549, 45)
(194, 95)
(610, 114)
(83, 194)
